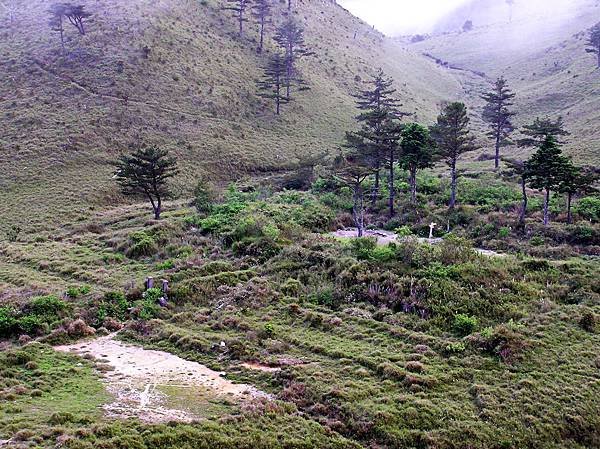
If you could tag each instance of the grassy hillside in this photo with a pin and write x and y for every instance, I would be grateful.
(64, 119)
(406, 345)
(541, 53)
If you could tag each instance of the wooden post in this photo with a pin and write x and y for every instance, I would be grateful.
(165, 286)
(149, 283)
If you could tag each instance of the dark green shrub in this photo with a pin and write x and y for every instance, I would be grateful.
(536, 265)
(465, 324)
(588, 208)
(141, 244)
(49, 307)
(12, 234)
(204, 197)
(363, 248)
(7, 320)
(588, 321)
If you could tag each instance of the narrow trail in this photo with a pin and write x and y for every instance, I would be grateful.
(156, 386)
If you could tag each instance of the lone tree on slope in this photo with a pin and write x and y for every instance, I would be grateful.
(76, 15)
(378, 107)
(593, 43)
(272, 85)
(10, 6)
(453, 138)
(56, 23)
(239, 9)
(145, 173)
(511, 4)
(545, 169)
(498, 115)
(290, 37)
(417, 153)
(261, 10)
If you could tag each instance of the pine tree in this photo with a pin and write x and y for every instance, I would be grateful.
(540, 130)
(453, 138)
(545, 170)
(517, 168)
(290, 37)
(511, 4)
(593, 43)
(498, 115)
(417, 153)
(378, 106)
(261, 10)
(391, 130)
(576, 180)
(145, 173)
(351, 169)
(77, 15)
(272, 85)
(239, 8)
(56, 23)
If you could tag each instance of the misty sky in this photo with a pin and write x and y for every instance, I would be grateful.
(401, 16)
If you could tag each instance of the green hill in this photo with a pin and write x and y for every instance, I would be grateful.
(176, 73)
(541, 53)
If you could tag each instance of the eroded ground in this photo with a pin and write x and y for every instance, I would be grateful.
(157, 386)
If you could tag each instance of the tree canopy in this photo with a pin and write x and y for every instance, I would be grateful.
(145, 173)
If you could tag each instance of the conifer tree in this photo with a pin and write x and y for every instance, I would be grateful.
(351, 168)
(545, 170)
(378, 106)
(453, 138)
(261, 10)
(145, 173)
(77, 16)
(56, 22)
(290, 37)
(272, 86)
(239, 9)
(540, 130)
(417, 153)
(593, 43)
(511, 4)
(575, 180)
(498, 115)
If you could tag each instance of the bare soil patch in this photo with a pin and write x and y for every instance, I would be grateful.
(157, 386)
(386, 237)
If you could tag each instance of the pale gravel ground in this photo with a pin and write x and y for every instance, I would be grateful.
(137, 372)
(385, 237)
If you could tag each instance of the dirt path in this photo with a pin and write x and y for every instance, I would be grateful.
(157, 386)
(386, 237)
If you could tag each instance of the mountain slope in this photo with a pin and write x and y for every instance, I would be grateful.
(541, 53)
(175, 73)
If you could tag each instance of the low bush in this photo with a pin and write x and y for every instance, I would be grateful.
(465, 324)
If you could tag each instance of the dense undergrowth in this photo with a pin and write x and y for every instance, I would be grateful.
(402, 345)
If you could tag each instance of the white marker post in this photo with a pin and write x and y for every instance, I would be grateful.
(431, 227)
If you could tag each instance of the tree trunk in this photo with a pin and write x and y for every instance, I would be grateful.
(358, 210)
(392, 195)
(412, 180)
(262, 34)
(523, 213)
(497, 160)
(453, 185)
(375, 192)
(546, 207)
(569, 213)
